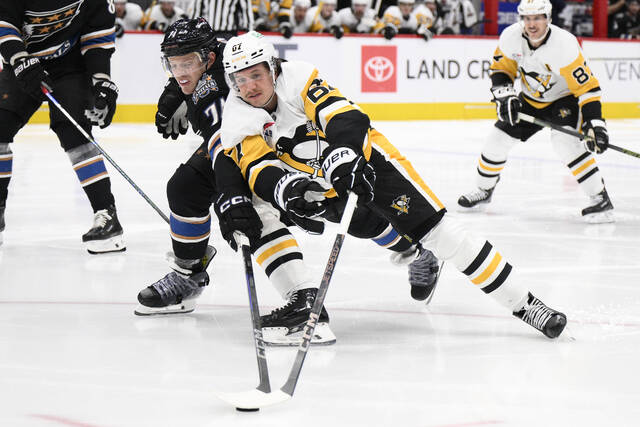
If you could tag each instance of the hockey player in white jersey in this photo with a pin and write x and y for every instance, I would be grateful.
(164, 14)
(324, 18)
(128, 16)
(359, 18)
(298, 14)
(556, 85)
(407, 18)
(302, 146)
(273, 16)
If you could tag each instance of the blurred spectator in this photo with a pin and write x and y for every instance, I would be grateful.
(458, 17)
(407, 18)
(324, 19)
(615, 11)
(577, 18)
(627, 26)
(164, 14)
(272, 16)
(128, 16)
(359, 18)
(296, 19)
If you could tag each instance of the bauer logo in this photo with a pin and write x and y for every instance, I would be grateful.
(379, 68)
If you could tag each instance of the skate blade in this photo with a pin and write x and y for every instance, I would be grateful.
(599, 217)
(113, 244)
(480, 207)
(184, 307)
(280, 337)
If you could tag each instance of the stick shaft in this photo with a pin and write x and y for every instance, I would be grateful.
(104, 153)
(290, 385)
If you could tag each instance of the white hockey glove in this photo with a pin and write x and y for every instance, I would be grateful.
(105, 94)
(424, 32)
(173, 126)
(302, 199)
(508, 105)
(597, 140)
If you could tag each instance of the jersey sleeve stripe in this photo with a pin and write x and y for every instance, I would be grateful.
(327, 113)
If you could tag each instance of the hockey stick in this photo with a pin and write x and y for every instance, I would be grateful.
(251, 400)
(544, 123)
(264, 387)
(47, 91)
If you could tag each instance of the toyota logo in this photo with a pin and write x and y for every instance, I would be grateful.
(378, 69)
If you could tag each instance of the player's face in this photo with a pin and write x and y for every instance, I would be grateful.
(358, 10)
(535, 26)
(299, 13)
(187, 70)
(167, 8)
(120, 9)
(405, 8)
(327, 10)
(255, 85)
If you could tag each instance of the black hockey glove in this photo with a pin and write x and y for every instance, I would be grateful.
(389, 32)
(597, 140)
(508, 105)
(105, 93)
(303, 201)
(348, 171)
(119, 30)
(286, 30)
(337, 31)
(171, 117)
(30, 74)
(236, 213)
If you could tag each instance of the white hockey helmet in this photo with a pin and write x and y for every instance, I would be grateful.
(360, 3)
(306, 4)
(333, 2)
(535, 7)
(407, 1)
(246, 51)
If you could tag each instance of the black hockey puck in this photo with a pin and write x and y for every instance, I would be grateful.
(248, 409)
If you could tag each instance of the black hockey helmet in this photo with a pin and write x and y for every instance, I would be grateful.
(189, 35)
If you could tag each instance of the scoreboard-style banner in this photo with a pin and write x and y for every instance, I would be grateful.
(401, 79)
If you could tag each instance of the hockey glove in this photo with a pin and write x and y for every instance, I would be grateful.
(337, 31)
(597, 140)
(29, 74)
(348, 171)
(389, 32)
(171, 117)
(425, 33)
(508, 105)
(303, 201)
(105, 93)
(119, 30)
(236, 213)
(286, 30)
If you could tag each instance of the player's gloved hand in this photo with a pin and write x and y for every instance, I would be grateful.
(597, 140)
(389, 32)
(119, 30)
(303, 201)
(171, 117)
(337, 31)
(508, 105)
(236, 213)
(29, 74)
(105, 93)
(348, 171)
(286, 30)
(424, 32)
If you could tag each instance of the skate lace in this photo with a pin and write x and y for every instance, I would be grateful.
(101, 218)
(423, 271)
(173, 284)
(537, 314)
(289, 304)
(476, 195)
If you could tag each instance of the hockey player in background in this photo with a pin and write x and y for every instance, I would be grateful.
(195, 94)
(303, 146)
(273, 16)
(128, 16)
(296, 19)
(556, 85)
(359, 18)
(67, 44)
(324, 18)
(164, 14)
(407, 18)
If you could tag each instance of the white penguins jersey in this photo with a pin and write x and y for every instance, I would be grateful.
(293, 136)
(549, 72)
(315, 23)
(350, 24)
(419, 16)
(132, 17)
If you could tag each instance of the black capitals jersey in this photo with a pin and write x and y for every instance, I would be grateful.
(50, 29)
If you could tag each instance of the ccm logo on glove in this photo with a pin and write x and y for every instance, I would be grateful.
(235, 200)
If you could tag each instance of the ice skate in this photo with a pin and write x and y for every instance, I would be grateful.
(424, 271)
(106, 234)
(601, 209)
(284, 325)
(177, 291)
(547, 320)
(475, 199)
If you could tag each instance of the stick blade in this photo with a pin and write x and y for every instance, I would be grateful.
(253, 399)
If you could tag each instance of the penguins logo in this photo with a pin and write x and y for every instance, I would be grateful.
(564, 113)
(401, 204)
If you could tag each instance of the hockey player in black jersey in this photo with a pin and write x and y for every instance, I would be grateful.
(195, 95)
(67, 44)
